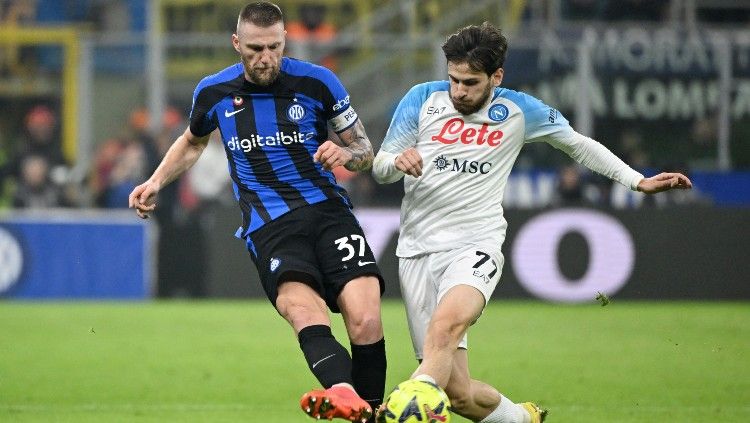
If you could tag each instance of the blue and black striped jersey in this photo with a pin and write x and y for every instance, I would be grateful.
(270, 134)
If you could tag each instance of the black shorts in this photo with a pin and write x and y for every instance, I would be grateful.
(321, 244)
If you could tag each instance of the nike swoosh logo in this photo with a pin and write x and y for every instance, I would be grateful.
(322, 360)
(362, 263)
(228, 114)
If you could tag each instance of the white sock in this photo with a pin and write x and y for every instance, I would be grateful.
(425, 378)
(508, 412)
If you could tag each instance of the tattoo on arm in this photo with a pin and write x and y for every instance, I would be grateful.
(356, 141)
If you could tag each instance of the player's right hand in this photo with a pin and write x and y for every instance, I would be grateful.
(410, 162)
(664, 181)
(143, 199)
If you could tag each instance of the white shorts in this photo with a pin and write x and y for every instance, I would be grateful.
(426, 278)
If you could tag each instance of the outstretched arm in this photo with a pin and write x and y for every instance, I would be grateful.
(355, 154)
(183, 153)
(598, 158)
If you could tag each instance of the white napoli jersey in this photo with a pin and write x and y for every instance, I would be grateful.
(466, 163)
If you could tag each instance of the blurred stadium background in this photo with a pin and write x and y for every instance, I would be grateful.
(94, 91)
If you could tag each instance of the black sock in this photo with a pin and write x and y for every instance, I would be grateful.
(328, 360)
(368, 372)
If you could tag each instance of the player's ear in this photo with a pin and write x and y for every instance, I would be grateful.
(497, 77)
(236, 43)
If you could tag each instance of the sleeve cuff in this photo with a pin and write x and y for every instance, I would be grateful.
(635, 180)
(384, 168)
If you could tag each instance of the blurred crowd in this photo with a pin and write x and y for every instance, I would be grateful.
(34, 174)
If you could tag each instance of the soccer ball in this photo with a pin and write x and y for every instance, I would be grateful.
(415, 401)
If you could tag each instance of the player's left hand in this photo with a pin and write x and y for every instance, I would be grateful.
(664, 182)
(332, 155)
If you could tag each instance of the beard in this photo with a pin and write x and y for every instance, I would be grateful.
(471, 108)
(262, 76)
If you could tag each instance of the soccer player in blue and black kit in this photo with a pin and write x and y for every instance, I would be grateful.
(274, 113)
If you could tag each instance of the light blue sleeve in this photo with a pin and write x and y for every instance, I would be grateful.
(404, 129)
(541, 119)
(544, 123)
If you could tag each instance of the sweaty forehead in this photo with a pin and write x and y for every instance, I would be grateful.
(463, 71)
(250, 33)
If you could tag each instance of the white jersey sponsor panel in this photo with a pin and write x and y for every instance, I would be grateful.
(467, 160)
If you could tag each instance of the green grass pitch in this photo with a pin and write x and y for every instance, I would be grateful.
(238, 361)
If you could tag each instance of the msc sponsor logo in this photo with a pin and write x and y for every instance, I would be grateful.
(279, 138)
(295, 112)
(441, 163)
(341, 104)
(462, 166)
(471, 166)
(455, 130)
(498, 112)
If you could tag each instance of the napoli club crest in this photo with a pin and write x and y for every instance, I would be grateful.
(498, 112)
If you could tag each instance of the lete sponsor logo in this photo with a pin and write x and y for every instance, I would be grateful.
(456, 130)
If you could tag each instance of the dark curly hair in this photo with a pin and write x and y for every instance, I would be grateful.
(483, 48)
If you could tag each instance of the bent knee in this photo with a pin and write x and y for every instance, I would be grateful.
(296, 309)
(365, 328)
(447, 329)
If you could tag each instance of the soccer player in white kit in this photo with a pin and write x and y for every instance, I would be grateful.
(454, 143)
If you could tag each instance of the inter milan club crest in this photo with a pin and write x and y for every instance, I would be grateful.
(498, 112)
(295, 112)
(274, 264)
(238, 100)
